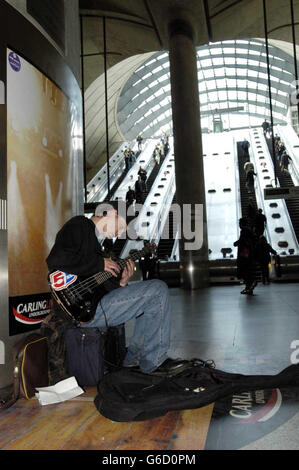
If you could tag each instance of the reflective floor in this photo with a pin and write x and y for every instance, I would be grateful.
(250, 335)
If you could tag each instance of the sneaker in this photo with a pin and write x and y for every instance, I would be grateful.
(171, 367)
(131, 366)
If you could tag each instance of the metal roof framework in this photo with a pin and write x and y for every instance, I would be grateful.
(231, 74)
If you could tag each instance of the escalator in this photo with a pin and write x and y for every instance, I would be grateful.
(152, 177)
(168, 236)
(120, 243)
(122, 177)
(286, 181)
(244, 196)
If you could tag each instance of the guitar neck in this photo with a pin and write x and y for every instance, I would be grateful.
(104, 276)
(136, 255)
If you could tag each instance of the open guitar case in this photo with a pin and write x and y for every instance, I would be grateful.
(130, 395)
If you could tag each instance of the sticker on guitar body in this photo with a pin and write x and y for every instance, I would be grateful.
(60, 280)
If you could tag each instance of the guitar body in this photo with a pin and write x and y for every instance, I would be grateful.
(79, 296)
(74, 295)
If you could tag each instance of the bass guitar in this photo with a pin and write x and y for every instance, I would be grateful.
(78, 296)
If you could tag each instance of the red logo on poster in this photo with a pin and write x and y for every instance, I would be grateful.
(26, 320)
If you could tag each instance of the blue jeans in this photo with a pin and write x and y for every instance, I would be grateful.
(147, 302)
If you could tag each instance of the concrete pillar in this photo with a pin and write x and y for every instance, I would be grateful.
(190, 185)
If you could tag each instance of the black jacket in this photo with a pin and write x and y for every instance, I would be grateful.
(77, 251)
(245, 244)
(140, 187)
(130, 196)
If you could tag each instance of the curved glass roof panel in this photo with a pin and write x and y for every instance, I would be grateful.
(232, 81)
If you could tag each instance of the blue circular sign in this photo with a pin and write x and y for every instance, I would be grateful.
(14, 61)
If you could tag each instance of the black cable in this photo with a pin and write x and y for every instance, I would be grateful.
(106, 106)
(295, 57)
(83, 109)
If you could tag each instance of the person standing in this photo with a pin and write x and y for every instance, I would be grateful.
(266, 127)
(148, 264)
(280, 149)
(284, 162)
(245, 147)
(130, 196)
(126, 157)
(260, 223)
(250, 181)
(139, 142)
(251, 213)
(143, 174)
(132, 158)
(139, 190)
(263, 250)
(249, 170)
(245, 257)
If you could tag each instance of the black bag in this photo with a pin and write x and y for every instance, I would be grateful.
(128, 395)
(90, 352)
(115, 347)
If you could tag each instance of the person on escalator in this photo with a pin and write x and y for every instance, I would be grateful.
(266, 127)
(280, 150)
(139, 142)
(140, 190)
(245, 147)
(251, 213)
(259, 223)
(148, 264)
(284, 162)
(130, 196)
(132, 158)
(248, 166)
(250, 181)
(126, 157)
(143, 174)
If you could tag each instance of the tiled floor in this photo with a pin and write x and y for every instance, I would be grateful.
(249, 335)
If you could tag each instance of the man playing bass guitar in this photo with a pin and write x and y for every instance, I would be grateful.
(77, 254)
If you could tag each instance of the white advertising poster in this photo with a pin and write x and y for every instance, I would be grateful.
(39, 165)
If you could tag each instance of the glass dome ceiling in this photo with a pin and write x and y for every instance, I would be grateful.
(232, 83)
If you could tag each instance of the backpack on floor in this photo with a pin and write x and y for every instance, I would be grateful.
(129, 395)
(30, 368)
(91, 352)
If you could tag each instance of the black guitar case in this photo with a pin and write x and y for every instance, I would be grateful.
(129, 395)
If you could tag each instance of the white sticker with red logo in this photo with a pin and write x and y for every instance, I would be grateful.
(60, 280)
